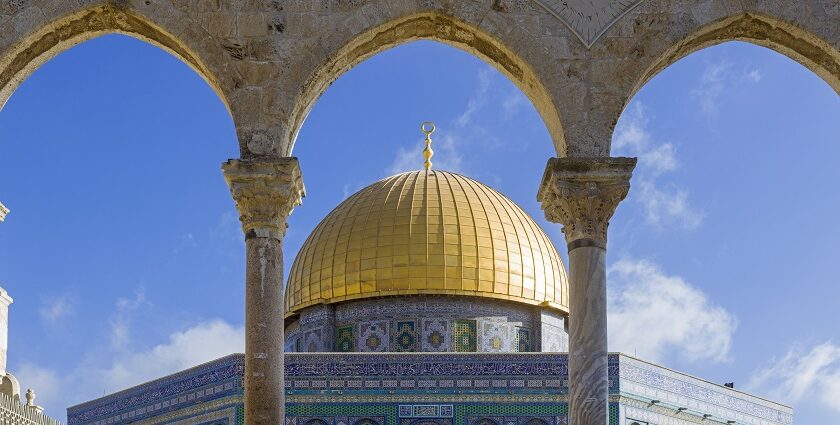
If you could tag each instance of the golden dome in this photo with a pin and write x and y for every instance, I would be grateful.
(427, 232)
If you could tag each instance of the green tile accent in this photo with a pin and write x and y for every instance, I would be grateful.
(344, 339)
(465, 336)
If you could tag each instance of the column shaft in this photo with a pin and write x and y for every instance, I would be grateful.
(582, 194)
(264, 388)
(265, 193)
(589, 384)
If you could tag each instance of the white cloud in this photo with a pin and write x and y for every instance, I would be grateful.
(54, 310)
(447, 156)
(192, 346)
(479, 98)
(710, 87)
(513, 103)
(44, 382)
(662, 204)
(642, 297)
(802, 374)
(121, 319)
(198, 344)
(755, 75)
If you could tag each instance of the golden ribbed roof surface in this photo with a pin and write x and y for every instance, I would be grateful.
(431, 232)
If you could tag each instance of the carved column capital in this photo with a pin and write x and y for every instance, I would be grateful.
(265, 192)
(582, 194)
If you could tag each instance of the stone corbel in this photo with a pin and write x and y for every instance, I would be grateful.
(265, 192)
(582, 195)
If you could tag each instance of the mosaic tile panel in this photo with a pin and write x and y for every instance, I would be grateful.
(496, 337)
(436, 335)
(431, 306)
(373, 336)
(405, 336)
(313, 341)
(344, 339)
(464, 336)
(512, 414)
(523, 340)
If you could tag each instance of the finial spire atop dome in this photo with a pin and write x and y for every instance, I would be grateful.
(428, 128)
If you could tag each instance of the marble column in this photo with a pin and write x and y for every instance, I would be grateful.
(265, 192)
(582, 194)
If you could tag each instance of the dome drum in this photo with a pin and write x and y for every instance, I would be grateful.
(427, 324)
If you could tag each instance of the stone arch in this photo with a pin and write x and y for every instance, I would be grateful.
(784, 37)
(52, 32)
(433, 26)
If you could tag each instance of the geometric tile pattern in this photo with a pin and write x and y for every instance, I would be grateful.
(464, 336)
(496, 337)
(405, 336)
(436, 335)
(312, 341)
(373, 336)
(344, 339)
(523, 340)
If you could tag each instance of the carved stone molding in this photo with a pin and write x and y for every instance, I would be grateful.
(265, 193)
(588, 19)
(582, 194)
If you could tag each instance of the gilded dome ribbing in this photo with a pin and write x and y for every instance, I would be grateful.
(431, 232)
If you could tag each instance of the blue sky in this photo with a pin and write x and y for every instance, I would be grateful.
(125, 260)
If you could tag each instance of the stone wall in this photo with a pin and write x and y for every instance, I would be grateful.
(269, 61)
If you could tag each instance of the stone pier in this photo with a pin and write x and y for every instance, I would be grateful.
(582, 194)
(265, 193)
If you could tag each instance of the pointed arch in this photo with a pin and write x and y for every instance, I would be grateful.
(790, 40)
(53, 35)
(438, 27)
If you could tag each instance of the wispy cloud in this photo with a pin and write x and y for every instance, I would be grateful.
(711, 86)
(478, 100)
(718, 79)
(186, 241)
(447, 156)
(802, 374)
(189, 347)
(56, 309)
(663, 204)
(642, 297)
(121, 319)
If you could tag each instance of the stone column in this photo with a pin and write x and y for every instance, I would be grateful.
(582, 194)
(265, 193)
